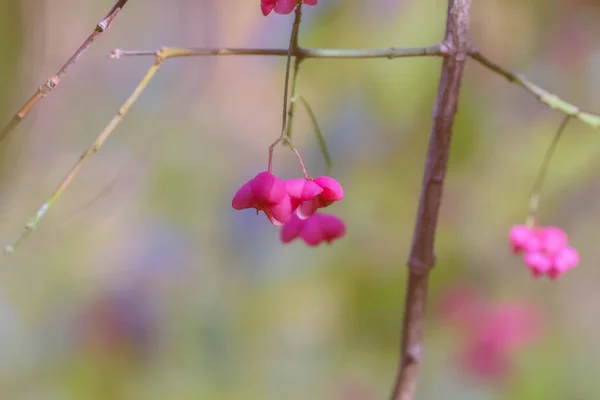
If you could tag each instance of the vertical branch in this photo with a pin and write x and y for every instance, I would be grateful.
(422, 256)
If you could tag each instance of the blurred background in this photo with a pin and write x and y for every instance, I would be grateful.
(143, 283)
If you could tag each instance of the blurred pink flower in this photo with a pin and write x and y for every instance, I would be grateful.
(546, 249)
(282, 6)
(267, 193)
(491, 333)
(523, 238)
(314, 230)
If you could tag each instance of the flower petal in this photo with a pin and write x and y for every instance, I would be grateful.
(538, 262)
(281, 212)
(552, 239)
(332, 190)
(243, 198)
(307, 208)
(332, 227)
(268, 189)
(285, 6)
(291, 230)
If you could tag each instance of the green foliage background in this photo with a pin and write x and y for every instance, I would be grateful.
(156, 289)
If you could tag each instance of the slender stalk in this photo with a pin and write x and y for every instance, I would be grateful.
(543, 96)
(301, 53)
(294, 95)
(317, 129)
(422, 257)
(285, 123)
(54, 80)
(292, 48)
(34, 221)
(539, 182)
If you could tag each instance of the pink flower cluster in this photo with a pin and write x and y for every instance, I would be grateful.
(293, 204)
(282, 6)
(491, 333)
(546, 250)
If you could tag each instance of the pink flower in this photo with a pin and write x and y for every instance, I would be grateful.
(500, 333)
(267, 193)
(301, 190)
(307, 198)
(282, 6)
(546, 250)
(565, 259)
(491, 333)
(523, 238)
(314, 230)
(538, 262)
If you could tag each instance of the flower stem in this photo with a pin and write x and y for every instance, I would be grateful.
(539, 182)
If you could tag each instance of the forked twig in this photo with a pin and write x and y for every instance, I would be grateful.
(34, 221)
(54, 80)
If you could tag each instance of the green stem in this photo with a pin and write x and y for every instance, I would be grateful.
(318, 132)
(543, 96)
(389, 53)
(539, 182)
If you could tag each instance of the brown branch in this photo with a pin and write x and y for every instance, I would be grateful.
(422, 256)
(54, 80)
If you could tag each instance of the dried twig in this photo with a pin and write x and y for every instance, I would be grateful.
(422, 256)
(54, 80)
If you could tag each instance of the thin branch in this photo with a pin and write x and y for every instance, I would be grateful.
(54, 80)
(34, 221)
(536, 192)
(390, 53)
(551, 100)
(318, 132)
(292, 48)
(422, 257)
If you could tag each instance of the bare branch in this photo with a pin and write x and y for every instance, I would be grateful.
(422, 257)
(301, 53)
(543, 96)
(34, 221)
(54, 80)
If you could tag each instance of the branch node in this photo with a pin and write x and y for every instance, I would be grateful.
(419, 267)
(116, 54)
(413, 354)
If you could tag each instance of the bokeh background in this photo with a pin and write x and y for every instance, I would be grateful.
(143, 283)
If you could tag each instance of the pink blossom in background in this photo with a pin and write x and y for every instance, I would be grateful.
(491, 333)
(282, 6)
(546, 250)
(267, 193)
(314, 230)
(523, 238)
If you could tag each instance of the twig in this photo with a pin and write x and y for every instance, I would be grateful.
(536, 192)
(422, 256)
(285, 125)
(551, 100)
(34, 221)
(54, 80)
(317, 129)
(390, 53)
